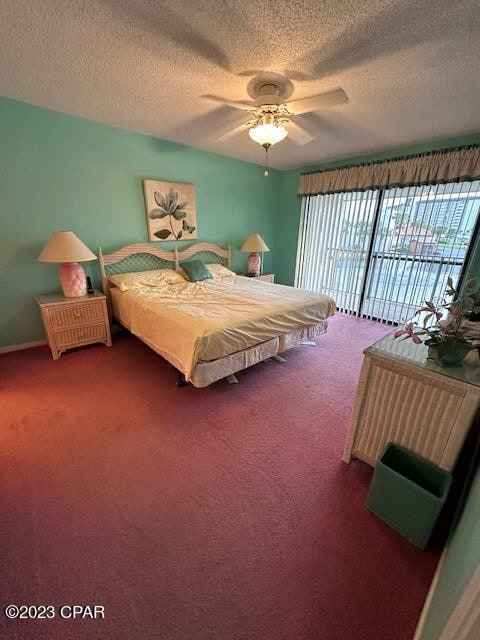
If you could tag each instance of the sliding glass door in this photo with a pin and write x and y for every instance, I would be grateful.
(381, 253)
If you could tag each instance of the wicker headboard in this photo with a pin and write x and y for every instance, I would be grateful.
(147, 257)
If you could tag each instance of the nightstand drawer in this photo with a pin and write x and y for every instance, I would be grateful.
(77, 335)
(73, 315)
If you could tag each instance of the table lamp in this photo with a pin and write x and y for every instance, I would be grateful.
(254, 245)
(65, 247)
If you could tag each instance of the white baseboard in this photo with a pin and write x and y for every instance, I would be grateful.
(23, 345)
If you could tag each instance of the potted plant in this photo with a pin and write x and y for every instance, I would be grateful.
(449, 334)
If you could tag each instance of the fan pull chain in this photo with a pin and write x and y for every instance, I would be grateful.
(266, 146)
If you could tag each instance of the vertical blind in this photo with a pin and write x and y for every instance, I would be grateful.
(381, 253)
(333, 245)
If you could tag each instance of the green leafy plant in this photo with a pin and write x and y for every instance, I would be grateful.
(168, 205)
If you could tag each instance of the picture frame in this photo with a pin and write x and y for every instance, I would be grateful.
(171, 210)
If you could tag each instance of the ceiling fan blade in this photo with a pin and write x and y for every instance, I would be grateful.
(237, 104)
(298, 134)
(232, 133)
(312, 103)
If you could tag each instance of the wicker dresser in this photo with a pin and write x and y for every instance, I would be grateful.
(74, 322)
(404, 397)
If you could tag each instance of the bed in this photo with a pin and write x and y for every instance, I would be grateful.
(211, 329)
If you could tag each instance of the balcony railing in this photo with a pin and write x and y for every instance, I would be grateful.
(397, 283)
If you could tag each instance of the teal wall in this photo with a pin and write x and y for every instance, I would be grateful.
(461, 560)
(286, 233)
(286, 229)
(63, 172)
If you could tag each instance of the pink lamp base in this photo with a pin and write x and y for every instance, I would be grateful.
(73, 279)
(253, 264)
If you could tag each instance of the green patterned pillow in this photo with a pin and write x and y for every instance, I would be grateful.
(196, 270)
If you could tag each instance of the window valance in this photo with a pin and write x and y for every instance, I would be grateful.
(422, 169)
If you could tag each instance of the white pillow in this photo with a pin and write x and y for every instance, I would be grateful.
(159, 276)
(219, 271)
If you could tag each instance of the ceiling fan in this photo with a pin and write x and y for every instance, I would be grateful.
(271, 111)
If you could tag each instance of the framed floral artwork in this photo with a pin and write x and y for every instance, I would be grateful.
(171, 210)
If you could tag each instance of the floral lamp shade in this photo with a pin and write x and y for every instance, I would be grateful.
(254, 245)
(66, 248)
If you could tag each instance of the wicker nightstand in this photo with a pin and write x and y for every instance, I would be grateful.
(74, 322)
(266, 277)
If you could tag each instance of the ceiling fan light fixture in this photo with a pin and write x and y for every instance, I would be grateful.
(268, 132)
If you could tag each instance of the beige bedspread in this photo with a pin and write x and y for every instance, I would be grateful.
(202, 321)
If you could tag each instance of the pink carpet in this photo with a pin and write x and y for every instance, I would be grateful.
(223, 513)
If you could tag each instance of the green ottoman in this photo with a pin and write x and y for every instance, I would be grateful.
(408, 493)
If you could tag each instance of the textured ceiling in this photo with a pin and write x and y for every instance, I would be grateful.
(410, 67)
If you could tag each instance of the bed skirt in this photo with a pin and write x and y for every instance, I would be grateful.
(294, 338)
(205, 373)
